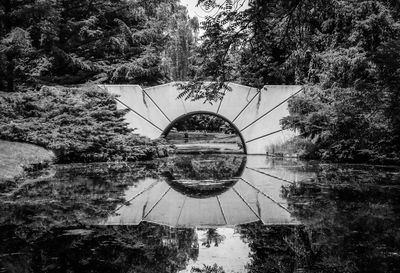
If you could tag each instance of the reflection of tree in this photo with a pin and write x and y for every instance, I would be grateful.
(212, 236)
(351, 224)
(208, 167)
(146, 248)
(32, 224)
(202, 176)
(276, 248)
(77, 193)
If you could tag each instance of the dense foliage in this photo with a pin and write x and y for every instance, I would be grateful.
(346, 52)
(112, 41)
(78, 124)
(204, 122)
(68, 42)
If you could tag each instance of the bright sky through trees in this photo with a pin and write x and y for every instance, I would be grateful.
(201, 12)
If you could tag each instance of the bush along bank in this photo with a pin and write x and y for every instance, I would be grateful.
(77, 124)
(345, 125)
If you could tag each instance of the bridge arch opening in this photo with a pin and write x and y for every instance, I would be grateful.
(228, 125)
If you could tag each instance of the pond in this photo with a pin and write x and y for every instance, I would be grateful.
(204, 213)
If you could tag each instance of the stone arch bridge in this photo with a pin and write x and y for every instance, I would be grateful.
(255, 114)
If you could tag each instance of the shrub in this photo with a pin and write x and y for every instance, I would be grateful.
(78, 124)
(344, 124)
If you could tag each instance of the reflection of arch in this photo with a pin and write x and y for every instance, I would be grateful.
(200, 188)
(187, 115)
(255, 196)
(200, 192)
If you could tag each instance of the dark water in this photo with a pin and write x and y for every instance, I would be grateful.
(209, 213)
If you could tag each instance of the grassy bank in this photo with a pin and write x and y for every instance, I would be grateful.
(16, 158)
(201, 137)
(205, 142)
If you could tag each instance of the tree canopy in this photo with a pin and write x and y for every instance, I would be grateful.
(344, 52)
(113, 41)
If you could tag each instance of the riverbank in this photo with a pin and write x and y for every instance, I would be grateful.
(16, 159)
(205, 142)
(306, 149)
(201, 137)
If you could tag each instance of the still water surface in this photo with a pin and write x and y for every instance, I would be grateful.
(204, 213)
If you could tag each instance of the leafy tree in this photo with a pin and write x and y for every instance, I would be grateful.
(346, 51)
(183, 38)
(16, 47)
(204, 122)
(70, 42)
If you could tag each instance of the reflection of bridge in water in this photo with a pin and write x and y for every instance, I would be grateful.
(255, 114)
(187, 198)
(251, 192)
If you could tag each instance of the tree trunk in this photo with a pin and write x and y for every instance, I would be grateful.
(10, 74)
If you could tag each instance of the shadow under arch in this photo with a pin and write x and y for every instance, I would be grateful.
(193, 113)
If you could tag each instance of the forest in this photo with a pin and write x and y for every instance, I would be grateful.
(345, 53)
(59, 42)
(52, 55)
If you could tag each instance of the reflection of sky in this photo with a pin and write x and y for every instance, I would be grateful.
(232, 253)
